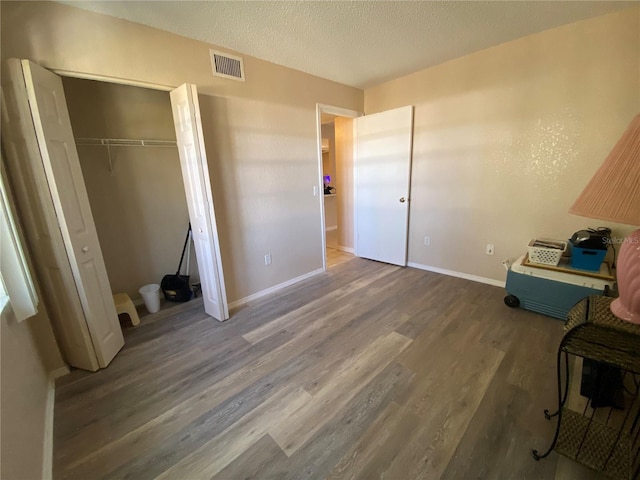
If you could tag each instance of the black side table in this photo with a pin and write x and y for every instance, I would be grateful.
(612, 447)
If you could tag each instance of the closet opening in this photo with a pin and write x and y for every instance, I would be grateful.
(126, 143)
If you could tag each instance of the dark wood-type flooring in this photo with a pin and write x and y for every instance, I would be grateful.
(366, 371)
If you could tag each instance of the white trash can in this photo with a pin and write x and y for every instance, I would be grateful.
(151, 296)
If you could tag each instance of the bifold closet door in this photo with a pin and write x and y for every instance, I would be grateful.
(60, 227)
(197, 185)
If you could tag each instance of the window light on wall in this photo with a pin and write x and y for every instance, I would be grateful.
(16, 286)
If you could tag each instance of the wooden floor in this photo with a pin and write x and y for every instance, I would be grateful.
(336, 257)
(366, 371)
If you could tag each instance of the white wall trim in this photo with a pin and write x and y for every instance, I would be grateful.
(59, 372)
(328, 229)
(339, 111)
(109, 79)
(453, 273)
(47, 455)
(275, 288)
(345, 249)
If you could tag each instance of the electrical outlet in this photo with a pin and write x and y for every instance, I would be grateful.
(267, 259)
(427, 241)
(489, 249)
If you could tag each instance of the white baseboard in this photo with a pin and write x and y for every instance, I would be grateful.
(453, 273)
(47, 455)
(345, 249)
(59, 372)
(275, 288)
(328, 229)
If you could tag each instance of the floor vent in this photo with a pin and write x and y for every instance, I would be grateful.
(227, 66)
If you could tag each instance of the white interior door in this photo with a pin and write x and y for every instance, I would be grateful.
(382, 158)
(66, 198)
(197, 185)
(38, 215)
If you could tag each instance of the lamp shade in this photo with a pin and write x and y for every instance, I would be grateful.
(613, 194)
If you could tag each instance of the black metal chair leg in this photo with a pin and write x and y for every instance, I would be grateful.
(561, 400)
(548, 415)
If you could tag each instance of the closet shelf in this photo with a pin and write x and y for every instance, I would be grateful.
(125, 142)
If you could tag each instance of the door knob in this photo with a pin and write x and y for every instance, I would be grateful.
(85, 249)
(402, 200)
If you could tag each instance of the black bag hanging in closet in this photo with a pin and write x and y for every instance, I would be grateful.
(176, 287)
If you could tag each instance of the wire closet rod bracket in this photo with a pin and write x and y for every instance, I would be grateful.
(123, 142)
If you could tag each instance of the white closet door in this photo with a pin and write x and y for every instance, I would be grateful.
(38, 215)
(197, 185)
(71, 203)
(383, 146)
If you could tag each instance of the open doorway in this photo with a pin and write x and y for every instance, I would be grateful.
(335, 167)
(126, 143)
(370, 152)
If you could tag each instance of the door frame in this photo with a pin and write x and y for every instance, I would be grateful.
(110, 79)
(339, 112)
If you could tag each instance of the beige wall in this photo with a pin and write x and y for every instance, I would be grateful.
(329, 168)
(330, 212)
(28, 353)
(344, 180)
(506, 138)
(24, 390)
(260, 134)
(139, 208)
(329, 158)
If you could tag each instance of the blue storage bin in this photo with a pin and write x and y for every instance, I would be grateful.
(548, 292)
(587, 258)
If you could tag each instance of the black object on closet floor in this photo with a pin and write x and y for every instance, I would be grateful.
(176, 287)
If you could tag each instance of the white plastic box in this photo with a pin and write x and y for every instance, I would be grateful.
(546, 255)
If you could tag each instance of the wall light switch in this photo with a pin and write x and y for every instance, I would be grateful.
(267, 259)
(315, 190)
(490, 249)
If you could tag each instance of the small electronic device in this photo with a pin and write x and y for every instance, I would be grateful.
(589, 247)
(591, 239)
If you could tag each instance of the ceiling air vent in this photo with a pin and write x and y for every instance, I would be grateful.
(227, 66)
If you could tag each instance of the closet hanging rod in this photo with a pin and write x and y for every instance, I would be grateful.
(125, 142)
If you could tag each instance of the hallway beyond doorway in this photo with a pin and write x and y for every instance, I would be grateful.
(336, 257)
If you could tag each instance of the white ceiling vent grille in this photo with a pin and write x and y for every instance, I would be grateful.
(227, 66)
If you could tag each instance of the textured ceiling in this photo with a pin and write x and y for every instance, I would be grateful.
(357, 43)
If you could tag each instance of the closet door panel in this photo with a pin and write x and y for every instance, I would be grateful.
(38, 214)
(71, 203)
(195, 173)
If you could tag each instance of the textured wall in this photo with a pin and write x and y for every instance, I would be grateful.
(140, 209)
(260, 134)
(506, 138)
(344, 180)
